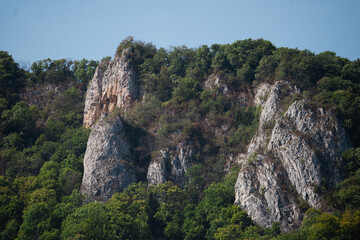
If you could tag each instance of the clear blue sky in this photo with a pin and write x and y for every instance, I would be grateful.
(36, 29)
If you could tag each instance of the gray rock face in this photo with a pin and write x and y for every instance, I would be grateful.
(107, 160)
(268, 98)
(234, 160)
(113, 85)
(263, 190)
(294, 148)
(309, 144)
(157, 169)
(181, 160)
(216, 81)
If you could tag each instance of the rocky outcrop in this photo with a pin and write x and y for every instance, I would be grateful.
(107, 161)
(309, 145)
(114, 85)
(234, 160)
(171, 165)
(216, 82)
(269, 99)
(181, 160)
(295, 148)
(263, 190)
(157, 169)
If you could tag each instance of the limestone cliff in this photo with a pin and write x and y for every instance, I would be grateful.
(182, 159)
(107, 161)
(171, 165)
(294, 150)
(114, 85)
(108, 155)
(262, 189)
(156, 173)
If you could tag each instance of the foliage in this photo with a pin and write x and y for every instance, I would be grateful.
(322, 225)
(21, 120)
(248, 124)
(245, 56)
(87, 222)
(84, 70)
(62, 70)
(12, 79)
(351, 158)
(186, 89)
(349, 191)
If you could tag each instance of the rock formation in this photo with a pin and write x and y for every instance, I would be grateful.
(182, 159)
(107, 158)
(157, 169)
(107, 161)
(295, 148)
(178, 161)
(263, 191)
(216, 82)
(114, 85)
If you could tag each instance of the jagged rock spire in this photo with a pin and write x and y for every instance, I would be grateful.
(114, 85)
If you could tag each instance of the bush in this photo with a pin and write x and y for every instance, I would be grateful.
(187, 89)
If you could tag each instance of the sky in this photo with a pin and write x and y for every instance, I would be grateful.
(32, 30)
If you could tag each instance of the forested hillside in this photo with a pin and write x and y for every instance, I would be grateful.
(202, 96)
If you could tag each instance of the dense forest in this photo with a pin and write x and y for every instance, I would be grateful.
(42, 150)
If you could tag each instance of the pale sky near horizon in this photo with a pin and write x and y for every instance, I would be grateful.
(37, 29)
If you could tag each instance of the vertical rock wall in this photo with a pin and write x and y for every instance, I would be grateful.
(294, 149)
(114, 85)
(172, 165)
(107, 161)
(157, 169)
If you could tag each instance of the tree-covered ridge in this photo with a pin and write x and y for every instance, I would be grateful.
(41, 152)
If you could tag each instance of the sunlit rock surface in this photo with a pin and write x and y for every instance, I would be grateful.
(295, 149)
